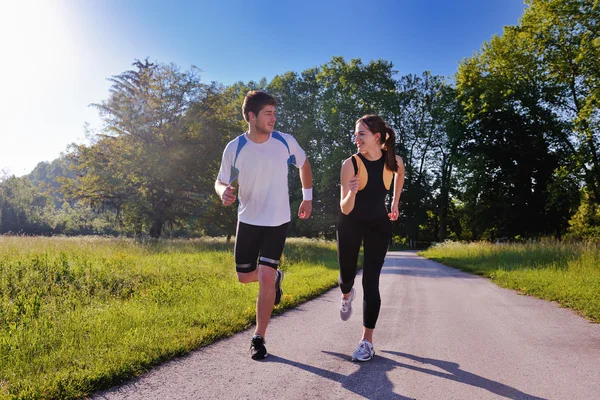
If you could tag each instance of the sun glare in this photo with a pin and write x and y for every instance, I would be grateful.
(34, 47)
(38, 56)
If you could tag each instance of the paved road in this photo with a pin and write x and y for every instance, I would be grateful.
(441, 334)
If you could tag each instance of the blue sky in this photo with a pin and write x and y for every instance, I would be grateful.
(58, 54)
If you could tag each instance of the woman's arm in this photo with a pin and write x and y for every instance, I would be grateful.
(398, 184)
(348, 186)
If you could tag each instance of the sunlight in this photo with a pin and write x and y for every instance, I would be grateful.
(37, 48)
(34, 46)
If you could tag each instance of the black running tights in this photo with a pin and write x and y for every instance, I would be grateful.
(376, 235)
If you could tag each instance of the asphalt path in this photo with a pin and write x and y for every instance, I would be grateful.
(441, 334)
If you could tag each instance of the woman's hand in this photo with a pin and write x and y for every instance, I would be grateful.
(353, 184)
(394, 213)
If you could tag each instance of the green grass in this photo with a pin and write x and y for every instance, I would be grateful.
(81, 314)
(568, 273)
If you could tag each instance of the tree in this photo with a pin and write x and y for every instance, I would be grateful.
(564, 38)
(506, 158)
(531, 110)
(423, 119)
(146, 163)
(24, 208)
(47, 176)
(585, 223)
(449, 115)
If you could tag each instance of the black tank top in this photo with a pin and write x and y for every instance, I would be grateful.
(370, 200)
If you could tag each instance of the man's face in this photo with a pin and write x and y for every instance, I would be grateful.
(264, 122)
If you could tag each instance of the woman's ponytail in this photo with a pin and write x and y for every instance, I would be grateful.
(390, 150)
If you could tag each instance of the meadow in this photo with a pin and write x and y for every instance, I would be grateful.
(565, 272)
(81, 314)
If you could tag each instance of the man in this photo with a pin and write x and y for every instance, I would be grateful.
(259, 160)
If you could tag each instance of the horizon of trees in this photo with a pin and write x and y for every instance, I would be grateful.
(508, 149)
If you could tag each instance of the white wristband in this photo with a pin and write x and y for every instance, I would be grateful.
(307, 194)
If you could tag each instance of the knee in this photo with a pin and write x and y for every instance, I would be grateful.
(370, 280)
(245, 277)
(371, 291)
(370, 283)
(372, 297)
(266, 276)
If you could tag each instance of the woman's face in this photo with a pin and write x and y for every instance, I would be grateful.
(365, 139)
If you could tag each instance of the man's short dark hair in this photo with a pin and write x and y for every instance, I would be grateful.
(255, 101)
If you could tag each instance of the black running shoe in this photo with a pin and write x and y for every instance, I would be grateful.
(278, 291)
(258, 351)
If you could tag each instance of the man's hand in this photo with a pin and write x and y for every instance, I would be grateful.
(228, 196)
(305, 209)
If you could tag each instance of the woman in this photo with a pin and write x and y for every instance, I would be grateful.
(366, 178)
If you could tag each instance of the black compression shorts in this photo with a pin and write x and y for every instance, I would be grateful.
(252, 242)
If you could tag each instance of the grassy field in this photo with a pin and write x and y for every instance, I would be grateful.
(568, 273)
(79, 314)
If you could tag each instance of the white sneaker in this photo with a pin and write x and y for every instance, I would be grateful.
(346, 306)
(364, 351)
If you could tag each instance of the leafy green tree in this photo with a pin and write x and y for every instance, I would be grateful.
(449, 118)
(424, 120)
(564, 200)
(564, 39)
(585, 223)
(506, 160)
(47, 176)
(531, 108)
(24, 209)
(147, 162)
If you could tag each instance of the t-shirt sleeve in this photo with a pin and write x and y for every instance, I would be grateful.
(226, 164)
(296, 151)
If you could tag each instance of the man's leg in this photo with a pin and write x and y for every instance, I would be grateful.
(247, 277)
(272, 245)
(266, 298)
(247, 247)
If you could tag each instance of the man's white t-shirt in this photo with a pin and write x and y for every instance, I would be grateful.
(262, 173)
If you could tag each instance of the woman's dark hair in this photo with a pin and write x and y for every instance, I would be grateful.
(376, 124)
(255, 101)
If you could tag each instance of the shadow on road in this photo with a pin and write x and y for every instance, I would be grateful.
(369, 381)
(426, 272)
(458, 375)
(412, 265)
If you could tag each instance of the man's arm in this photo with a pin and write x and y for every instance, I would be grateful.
(306, 178)
(306, 175)
(225, 192)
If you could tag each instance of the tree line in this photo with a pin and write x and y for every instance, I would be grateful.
(507, 148)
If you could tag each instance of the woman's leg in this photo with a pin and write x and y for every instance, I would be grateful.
(377, 239)
(349, 238)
